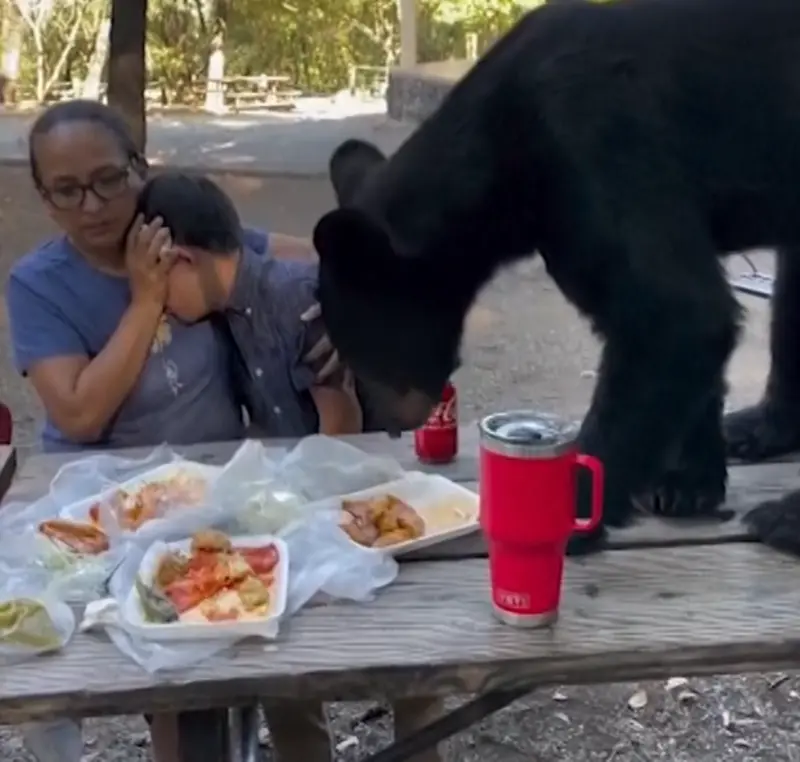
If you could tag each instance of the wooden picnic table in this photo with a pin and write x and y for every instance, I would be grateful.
(670, 598)
(259, 91)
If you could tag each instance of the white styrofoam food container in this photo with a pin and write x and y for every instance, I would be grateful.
(430, 495)
(267, 627)
(79, 511)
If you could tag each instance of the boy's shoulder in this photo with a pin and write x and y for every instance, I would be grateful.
(256, 240)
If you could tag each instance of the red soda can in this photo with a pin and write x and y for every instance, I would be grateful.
(437, 440)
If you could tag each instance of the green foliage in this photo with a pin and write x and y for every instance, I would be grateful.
(178, 40)
(315, 42)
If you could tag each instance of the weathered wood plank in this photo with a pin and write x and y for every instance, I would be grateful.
(748, 486)
(34, 476)
(628, 615)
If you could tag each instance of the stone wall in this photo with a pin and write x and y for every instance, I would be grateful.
(414, 94)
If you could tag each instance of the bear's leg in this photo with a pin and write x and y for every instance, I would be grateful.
(653, 389)
(772, 427)
(695, 480)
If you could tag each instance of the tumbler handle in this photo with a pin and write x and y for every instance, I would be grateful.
(596, 468)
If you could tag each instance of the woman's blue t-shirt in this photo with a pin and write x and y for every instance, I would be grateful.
(59, 305)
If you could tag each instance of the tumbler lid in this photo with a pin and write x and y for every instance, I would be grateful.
(527, 434)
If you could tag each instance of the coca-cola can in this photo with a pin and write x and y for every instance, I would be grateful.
(436, 441)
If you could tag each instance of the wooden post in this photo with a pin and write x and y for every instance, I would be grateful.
(408, 33)
(126, 64)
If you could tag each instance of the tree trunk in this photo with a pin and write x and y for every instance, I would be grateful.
(12, 50)
(215, 89)
(97, 63)
(126, 64)
(213, 21)
(41, 74)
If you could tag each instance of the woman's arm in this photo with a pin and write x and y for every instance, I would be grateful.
(80, 395)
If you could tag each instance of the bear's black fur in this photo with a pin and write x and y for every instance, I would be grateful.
(633, 144)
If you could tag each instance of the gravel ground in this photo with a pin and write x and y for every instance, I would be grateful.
(525, 347)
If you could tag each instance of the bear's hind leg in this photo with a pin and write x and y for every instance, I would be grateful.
(772, 427)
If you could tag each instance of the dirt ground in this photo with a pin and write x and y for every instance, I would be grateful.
(546, 359)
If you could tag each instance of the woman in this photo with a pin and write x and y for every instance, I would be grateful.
(86, 310)
(87, 314)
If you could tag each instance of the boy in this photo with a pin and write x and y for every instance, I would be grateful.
(221, 268)
(263, 289)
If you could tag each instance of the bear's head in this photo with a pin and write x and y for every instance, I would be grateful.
(396, 320)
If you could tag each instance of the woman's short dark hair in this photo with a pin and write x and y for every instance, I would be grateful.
(196, 210)
(92, 112)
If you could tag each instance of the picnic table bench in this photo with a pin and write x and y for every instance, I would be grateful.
(669, 598)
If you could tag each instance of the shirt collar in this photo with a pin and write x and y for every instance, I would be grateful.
(247, 283)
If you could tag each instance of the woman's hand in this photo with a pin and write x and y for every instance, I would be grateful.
(148, 257)
(322, 350)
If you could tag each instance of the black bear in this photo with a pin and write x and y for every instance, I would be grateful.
(633, 144)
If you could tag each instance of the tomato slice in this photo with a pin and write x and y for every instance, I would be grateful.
(190, 591)
(210, 573)
(261, 560)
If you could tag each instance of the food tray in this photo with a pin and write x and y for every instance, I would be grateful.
(433, 497)
(79, 511)
(265, 627)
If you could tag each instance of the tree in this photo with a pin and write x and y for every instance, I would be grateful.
(37, 16)
(127, 72)
(316, 43)
(12, 52)
(97, 61)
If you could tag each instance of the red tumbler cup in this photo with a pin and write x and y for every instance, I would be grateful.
(528, 482)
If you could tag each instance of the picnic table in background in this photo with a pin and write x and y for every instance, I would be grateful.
(668, 598)
(261, 91)
(240, 93)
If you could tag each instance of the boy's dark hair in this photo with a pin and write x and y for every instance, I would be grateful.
(196, 210)
(92, 112)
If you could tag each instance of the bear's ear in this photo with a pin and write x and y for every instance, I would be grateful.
(352, 244)
(350, 164)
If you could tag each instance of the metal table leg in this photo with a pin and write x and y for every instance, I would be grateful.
(243, 724)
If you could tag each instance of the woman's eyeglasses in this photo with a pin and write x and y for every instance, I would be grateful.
(106, 186)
